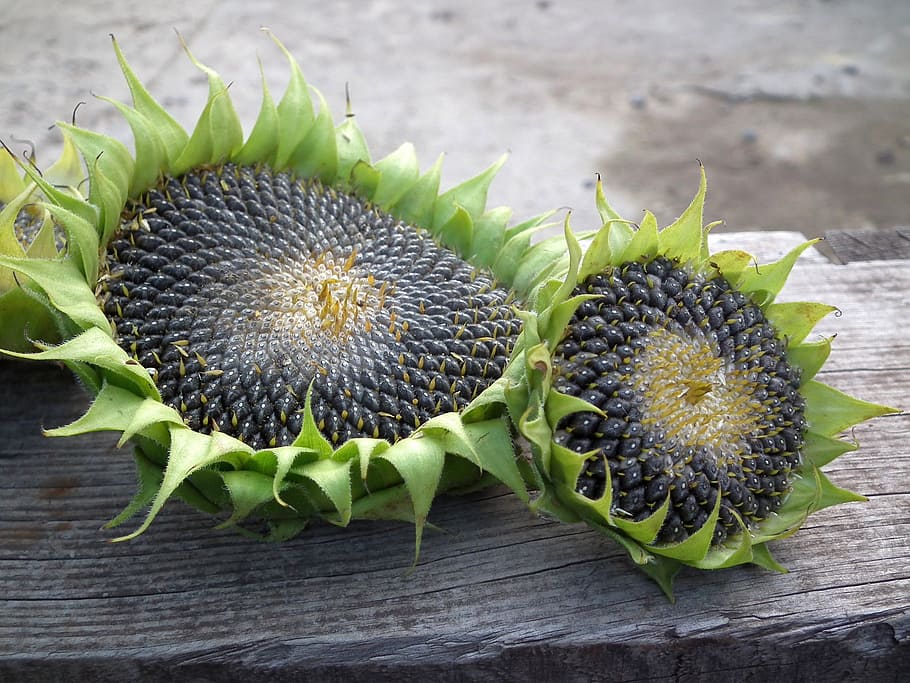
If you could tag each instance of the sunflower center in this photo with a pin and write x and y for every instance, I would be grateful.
(240, 289)
(322, 301)
(691, 393)
(698, 400)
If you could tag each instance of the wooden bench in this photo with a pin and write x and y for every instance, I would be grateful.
(497, 594)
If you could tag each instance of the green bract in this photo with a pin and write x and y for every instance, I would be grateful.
(28, 230)
(541, 411)
(286, 485)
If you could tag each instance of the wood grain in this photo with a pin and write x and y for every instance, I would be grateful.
(497, 593)
(869, 245)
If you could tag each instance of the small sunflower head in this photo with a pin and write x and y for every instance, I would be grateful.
(671, 401)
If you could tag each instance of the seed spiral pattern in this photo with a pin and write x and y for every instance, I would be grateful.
(237, 286)
(699, 400)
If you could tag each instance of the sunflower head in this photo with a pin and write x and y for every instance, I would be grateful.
(284, 329)
(670, 400)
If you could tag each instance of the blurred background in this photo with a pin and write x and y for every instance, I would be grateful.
(800, 111)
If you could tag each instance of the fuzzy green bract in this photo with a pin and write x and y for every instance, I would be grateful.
(537, 407)
(48, 300)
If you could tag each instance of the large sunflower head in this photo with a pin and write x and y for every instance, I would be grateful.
(282, 327)
(670, 400)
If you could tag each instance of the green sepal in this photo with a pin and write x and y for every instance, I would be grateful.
(600, 253)
(352, 148)
(607, 213)
(540, 262)
(44, 244)
(645, 241)
(310, 437)
(731, 264)
(9, 242)
(276, 463)
(295, 110)
(149, 477)
(420, 462)
(111, 410)
(830, 495)
(512, 263)
(643, 532)
(64, 284)
(333, 479)
(492, 439)
(764, 282)
(458, 231)
(64, 198)
(488, 236)
(398, 172)
(685, 240)
(263, 139)
(218, 134)
(559, 405)
(189, 452)
(11, 183)
(818, 450)
(95, 347)
(697, 545)
(809, 357)
(151, 154)
(761, 556)
(364, 179)
(735, 551)
(801, 502)
(796, 319)
(110, 168)
(171, 134)
(417, 204)
(82, 240)
(829, 411)
(26, 318)
(248, 490)
(470, 195)
(317, 156)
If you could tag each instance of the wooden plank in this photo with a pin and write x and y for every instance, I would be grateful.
(869, 245)
(497, 594)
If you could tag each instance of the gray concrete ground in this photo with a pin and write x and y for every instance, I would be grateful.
(799, 110)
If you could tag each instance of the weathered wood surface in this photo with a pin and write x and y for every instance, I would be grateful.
(496, 594)
(868, 245)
